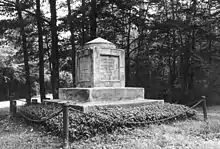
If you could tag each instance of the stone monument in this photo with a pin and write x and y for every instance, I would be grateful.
(100, 78)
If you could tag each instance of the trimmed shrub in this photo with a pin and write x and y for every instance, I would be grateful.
(106, 120)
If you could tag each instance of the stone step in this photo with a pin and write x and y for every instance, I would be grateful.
(88, 106)
(99, 94)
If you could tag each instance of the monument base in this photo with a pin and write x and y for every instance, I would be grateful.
(100, 94)
(86, 99)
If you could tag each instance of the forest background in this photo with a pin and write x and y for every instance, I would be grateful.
(172, 46)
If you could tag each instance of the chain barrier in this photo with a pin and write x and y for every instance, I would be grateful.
(148, 122)
(66, 119)
(192, 103)
(6, 124)
(196, 104)
(165, 119)
(72, 109)
(43, 119)
(29, 119)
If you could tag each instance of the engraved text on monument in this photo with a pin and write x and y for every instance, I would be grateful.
(84, 68)
(109, 67)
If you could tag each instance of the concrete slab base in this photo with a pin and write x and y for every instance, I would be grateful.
(89, 106)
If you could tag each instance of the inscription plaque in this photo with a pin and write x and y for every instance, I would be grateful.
(109, 67)
(84, 68)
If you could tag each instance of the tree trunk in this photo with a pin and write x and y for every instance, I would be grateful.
(173, 66)
(93, 23)
(72, 40)
(49, 59)
(83, 22)
(127, 66)
(25, 52)
(192, 47)
(137, 59)
(210, 30)
(55, 52)
(41, 51)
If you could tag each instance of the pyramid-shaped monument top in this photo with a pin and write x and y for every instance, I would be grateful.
(99, 40)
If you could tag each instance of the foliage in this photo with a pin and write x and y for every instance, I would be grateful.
(106, 120)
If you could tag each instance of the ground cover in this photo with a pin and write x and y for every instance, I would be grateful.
(106, 120)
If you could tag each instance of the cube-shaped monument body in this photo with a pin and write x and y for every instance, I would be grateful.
(100, 64)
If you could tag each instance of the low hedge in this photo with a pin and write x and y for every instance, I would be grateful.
(106, 120)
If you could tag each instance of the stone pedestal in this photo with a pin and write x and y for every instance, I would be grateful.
(100, 79)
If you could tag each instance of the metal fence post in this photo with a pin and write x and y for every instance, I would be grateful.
(13, 105)
(204, 107)
(13, 108)
(66, 126)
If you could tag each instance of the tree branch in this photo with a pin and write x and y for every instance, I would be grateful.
(7, 3)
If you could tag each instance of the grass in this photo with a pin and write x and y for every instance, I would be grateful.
(20, 135)
(189, 134)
